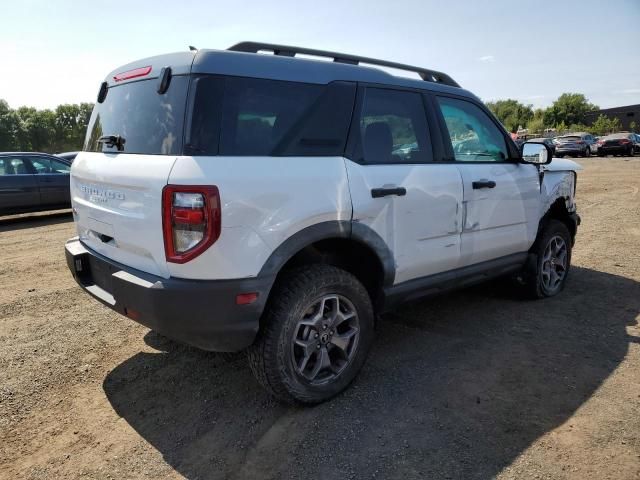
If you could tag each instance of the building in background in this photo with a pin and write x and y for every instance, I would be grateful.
(626, 115)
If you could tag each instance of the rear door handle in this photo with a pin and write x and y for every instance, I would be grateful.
(383, 192)
(483, 184)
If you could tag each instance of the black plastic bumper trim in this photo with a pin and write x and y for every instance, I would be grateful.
(201, 313)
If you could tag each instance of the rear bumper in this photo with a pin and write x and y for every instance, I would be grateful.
(613, 149)
(570, 151)
(202, 313)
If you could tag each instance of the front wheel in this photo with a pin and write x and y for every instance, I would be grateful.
(547, 276)
(315, 335)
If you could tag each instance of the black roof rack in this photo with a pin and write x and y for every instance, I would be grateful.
(289, 51)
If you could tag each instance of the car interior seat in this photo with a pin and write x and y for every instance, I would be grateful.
(378, 144)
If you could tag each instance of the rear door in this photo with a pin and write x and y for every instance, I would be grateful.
(396, 188)
(116, 186)
(500, 210)
(53, 180)
(18, 186)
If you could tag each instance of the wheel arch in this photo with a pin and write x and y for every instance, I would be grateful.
(352, 246)
(558, 211)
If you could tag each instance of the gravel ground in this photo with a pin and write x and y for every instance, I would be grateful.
(474, 384)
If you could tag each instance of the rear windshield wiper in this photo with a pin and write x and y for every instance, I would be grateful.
(113, 141)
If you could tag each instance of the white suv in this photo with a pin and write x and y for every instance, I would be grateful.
(240, 201)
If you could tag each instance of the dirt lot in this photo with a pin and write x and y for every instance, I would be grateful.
(475, 384)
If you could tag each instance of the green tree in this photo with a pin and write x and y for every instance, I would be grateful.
(70, 125)
(561, 128)
(29, 129)
(605, 125)
(511, 113)
(37, 129)
(536, 125)
(632, 126)
(570, 109)
(9, 127)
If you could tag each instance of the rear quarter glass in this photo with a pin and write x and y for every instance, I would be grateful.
(238, 116)
(151, 123)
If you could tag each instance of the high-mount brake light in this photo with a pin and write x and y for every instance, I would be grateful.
(191, 220)
(135, 73)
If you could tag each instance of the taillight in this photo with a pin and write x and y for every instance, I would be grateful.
(624, 141)
(580, 141)
(191, 220)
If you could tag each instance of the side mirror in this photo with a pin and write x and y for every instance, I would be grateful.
(536, 153)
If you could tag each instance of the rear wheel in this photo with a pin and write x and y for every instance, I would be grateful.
(316, 334)
(552, 250)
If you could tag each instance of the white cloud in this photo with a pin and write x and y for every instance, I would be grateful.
(487, 58)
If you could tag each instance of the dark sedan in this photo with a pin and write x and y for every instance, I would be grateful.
(32, 182)
(617, 144)
(636, 143)
(547, 141)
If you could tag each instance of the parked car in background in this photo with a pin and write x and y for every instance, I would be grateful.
(547, 141)
(33, 182)
(636, 143)
(576, 144)
(617, 144)
(67, 155)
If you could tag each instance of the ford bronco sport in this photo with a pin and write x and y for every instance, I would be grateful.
(237, 201)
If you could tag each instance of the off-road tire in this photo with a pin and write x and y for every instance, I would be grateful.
(533, 284)
(270, 357)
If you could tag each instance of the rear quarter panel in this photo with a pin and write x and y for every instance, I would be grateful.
(265, 200)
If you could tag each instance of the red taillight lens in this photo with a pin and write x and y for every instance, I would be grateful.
(135, 73)
(580, 141)
(191, 220)
(624, 141)
(246, 298)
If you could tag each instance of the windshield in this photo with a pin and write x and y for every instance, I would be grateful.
(149, 123)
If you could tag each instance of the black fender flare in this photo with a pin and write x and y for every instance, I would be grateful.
(332, 229)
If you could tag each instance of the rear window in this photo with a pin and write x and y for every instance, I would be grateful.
(247, 116)
(571, 138)
(150, 123)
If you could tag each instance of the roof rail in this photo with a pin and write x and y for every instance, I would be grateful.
(289, 51)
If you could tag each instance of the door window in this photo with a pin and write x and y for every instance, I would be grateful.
(46, 165)
(13, 166)
(393, 127)
(474, 136)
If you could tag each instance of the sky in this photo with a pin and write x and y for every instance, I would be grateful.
(55, 52)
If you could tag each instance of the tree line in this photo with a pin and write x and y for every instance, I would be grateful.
(27, 129)
(567, 113)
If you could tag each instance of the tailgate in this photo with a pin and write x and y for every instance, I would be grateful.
(133, 139)
(117, 201)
